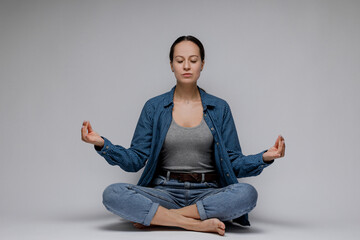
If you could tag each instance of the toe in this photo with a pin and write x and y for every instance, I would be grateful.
(221, 225)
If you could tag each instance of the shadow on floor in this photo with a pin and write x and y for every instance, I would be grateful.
(126, 226)
(290, 223)
(236, 228)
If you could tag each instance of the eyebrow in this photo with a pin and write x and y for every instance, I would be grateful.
(189, 56)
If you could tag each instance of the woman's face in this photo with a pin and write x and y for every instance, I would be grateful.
(187, 63)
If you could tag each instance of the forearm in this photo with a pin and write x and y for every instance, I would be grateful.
(250, 165)
(127, 159)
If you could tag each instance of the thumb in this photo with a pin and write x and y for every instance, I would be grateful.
(277, 142)
(90, 128)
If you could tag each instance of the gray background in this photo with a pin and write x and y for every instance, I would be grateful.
(285, 67)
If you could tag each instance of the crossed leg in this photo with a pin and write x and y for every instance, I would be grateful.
(189, 221)
(188, 212)
(187, 218)
(240, 197)
(122, 198)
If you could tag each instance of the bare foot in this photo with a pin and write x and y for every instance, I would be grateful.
(140, 226)
(210, 225)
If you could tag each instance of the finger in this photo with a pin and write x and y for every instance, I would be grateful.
(90, 128)
(86, 130)
(277, 142)
(283, 152)
(275, 155)
(281, 148)
(83, 132)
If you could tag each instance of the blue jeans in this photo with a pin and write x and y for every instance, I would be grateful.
(139, 204)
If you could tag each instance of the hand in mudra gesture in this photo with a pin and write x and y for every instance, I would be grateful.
(88, 135)
(276, 151)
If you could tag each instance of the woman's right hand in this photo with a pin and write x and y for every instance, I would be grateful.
(89, 136)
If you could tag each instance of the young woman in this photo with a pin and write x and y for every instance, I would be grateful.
(187, 141)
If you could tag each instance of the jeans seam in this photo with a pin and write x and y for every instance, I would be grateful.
(233, 216)
(154, 195)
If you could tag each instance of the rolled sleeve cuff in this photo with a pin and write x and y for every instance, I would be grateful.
(104, 150)
(261, 161)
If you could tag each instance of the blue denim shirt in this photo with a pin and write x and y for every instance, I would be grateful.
(151, 129)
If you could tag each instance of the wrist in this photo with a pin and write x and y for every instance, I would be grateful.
(100, 143)
(267, 158)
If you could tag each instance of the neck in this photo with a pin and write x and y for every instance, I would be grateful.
(186, 93)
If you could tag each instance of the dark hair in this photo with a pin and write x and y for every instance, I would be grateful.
(187, 38)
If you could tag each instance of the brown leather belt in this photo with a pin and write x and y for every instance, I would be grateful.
(191, 177)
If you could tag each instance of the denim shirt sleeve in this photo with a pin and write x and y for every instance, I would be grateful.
(243, 166)
(134, 158)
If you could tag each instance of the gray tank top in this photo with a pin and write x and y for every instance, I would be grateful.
(188, 149)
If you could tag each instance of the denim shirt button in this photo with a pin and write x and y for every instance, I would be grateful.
(212, 129)
(221, 159)
(205, 114)
(107, 147)
(104, 152)
(227, 175)
(217, 143)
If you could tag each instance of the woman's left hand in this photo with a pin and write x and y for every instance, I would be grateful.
(276, 151)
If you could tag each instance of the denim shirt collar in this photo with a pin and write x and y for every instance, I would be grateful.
(206, 100)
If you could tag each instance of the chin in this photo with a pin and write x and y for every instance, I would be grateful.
(186, 81)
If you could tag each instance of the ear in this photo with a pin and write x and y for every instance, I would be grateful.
(171, 66)
(202, 65)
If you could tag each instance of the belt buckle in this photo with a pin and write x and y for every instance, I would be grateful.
(196, 176)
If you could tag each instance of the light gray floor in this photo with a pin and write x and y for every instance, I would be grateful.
(107, 226)
(284, 67)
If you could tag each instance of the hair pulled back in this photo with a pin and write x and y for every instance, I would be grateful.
(187, 38)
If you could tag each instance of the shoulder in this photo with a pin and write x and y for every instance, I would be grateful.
(157, 100)
(217, 101)
(155, 104)
(219, 105)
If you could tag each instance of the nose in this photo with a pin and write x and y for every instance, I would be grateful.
(186, 65)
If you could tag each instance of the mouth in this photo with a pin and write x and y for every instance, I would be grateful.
(187, 74)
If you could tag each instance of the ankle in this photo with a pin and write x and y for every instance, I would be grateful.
(192, 224)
